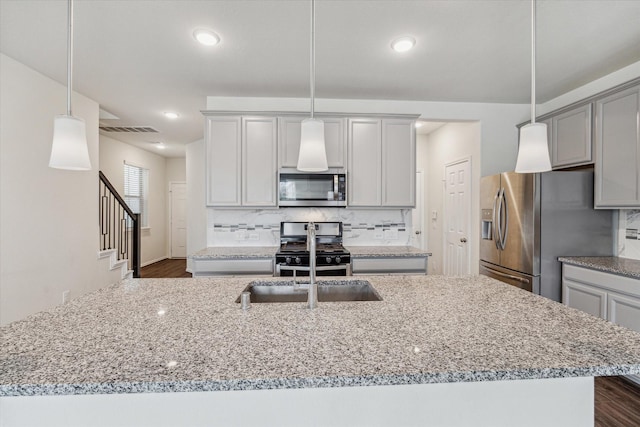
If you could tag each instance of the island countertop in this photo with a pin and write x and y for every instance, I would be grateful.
(609, 264)
(168, 335)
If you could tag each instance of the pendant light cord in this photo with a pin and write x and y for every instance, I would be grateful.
(312, 65)
(533, 61)
(69, 55)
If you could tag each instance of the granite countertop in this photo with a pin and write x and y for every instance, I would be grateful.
(235, 252)
(169, 335)
(621, 266)
(385, 251)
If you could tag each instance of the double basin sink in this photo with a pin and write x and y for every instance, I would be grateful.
(328, 291)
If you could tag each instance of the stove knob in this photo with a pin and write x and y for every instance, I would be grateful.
(298, 260)
(328, 259)
(288, 260)
(337, 260)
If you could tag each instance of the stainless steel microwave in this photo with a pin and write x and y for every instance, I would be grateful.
(312, 189)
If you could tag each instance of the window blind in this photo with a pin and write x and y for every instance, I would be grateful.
(136, 190)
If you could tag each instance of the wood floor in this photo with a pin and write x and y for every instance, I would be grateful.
(617, 401)
(167, 268)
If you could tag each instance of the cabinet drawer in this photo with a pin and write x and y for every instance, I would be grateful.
(607, 281)
(230, 267)
(382, 265)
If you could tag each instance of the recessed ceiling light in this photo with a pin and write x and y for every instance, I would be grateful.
(161, 146)
(403, 44)
(418, 125)
(206, 37)
(171, 115)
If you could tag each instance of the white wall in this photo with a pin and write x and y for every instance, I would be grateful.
(113, 154)
(196, 203)
(48, 217)
(452, 142)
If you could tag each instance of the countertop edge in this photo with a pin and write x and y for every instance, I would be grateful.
(598, 264)
(312, 382)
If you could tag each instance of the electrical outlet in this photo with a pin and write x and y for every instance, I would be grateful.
(240, 235)
(378, 235)
(65, 296)
(254, 236)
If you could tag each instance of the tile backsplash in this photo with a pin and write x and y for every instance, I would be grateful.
(629, 234)
(261, 227)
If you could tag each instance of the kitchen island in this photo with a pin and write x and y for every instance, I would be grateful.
(443, 350)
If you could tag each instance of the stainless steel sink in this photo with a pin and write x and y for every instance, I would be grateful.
(328, 291)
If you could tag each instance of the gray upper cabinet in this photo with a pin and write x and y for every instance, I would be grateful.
(259, 162)
(571, 138)
(398, 163)
(289, 141)
(223, 161)
(241, 163)
(382, 163)
(617, 150)
(365, 165)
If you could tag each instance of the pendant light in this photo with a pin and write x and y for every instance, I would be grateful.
(533, 151)
(312, 156)
(69, 149)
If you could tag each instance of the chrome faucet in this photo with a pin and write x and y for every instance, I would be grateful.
(312, 294)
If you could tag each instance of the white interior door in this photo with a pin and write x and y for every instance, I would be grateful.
(178, 192)
(417, 214)
(457, 206)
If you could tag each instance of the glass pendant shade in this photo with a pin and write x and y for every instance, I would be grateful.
(312, 156)
(533, 152)
(69, 149)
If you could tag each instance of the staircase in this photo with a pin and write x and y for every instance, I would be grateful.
(119, 231)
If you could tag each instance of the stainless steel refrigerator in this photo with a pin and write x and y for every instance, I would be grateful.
(529, 220)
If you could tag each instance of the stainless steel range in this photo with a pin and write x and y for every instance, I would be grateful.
(332, 259)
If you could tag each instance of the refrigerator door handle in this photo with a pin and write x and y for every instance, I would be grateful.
(496, 220)
(499, 223)
(508, 276)
(503, 243)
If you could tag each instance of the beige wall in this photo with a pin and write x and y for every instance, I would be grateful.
(196, 203)
(48, 217)
(113, 154)
(452, 142)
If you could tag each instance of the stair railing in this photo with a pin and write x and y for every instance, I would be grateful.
(119, 225)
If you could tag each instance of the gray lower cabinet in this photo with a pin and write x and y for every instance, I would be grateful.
(617, 150)
(605, 295)
(389, 265)
(571, 137)
(233, 267)
(335, 137)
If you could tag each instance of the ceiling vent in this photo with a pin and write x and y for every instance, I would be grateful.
(129, 129)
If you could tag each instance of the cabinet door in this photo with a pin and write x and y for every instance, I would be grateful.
(289, 141)
(624, 310)
(571, 137)
(398, 163)
(223, 161)
(259, 163)
(365, 167)
(617, 171)
(587, 298)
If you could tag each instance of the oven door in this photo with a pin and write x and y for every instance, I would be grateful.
(302, 190)
(322, 270)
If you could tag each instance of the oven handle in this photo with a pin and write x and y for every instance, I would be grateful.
(305, 268)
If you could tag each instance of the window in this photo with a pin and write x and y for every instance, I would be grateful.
(136, 191)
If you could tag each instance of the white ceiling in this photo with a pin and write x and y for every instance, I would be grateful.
(138, 58)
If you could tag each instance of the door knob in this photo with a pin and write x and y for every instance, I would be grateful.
(418, 232)
(463, 239)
